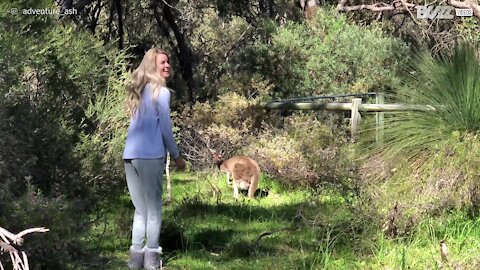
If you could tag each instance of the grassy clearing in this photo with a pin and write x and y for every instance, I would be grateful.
(284, 229)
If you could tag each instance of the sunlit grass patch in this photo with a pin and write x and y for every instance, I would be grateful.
(290, 228)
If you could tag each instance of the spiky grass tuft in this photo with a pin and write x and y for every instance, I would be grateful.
(451, 85)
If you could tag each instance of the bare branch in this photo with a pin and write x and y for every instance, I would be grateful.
(18, 263)
(473, 4)
(377, 7)
(17, 238)
(403, 6)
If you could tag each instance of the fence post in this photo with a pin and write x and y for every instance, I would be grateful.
(379, 124)
(355, 118)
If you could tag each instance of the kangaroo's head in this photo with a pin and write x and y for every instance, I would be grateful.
(217, 157)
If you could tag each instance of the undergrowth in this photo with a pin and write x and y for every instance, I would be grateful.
(283, 228)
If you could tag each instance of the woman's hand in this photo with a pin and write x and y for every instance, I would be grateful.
(180, 164)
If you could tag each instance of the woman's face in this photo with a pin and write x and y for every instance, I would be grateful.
(163, 65)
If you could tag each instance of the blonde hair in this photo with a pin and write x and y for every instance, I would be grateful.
(145, 73)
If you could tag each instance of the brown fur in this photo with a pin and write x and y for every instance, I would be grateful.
(245, 172)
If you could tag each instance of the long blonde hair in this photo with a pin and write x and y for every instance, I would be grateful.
(145, 73)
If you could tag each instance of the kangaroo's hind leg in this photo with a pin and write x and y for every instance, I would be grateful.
(235, 190)
(253, 186)
(228, 178)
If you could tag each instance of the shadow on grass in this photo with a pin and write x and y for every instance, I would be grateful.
(248, 249)
(238, 211)
(232, 230)
(200, 231)
(212, 240)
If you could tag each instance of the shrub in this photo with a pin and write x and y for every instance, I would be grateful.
(305, 152)
(445, 181)
(48, 75)
(450, 85)
(101, 144)
(227, 124)
(318, 58)
(429, 153)
(60, 247)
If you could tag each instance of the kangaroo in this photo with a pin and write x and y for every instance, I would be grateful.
(245, 172)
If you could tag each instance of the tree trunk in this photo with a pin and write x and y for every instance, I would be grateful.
(110, 21)
(309, 8)
(118, 6)
(271, 8)
(184, 53)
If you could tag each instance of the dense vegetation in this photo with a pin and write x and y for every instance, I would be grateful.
(324, 202)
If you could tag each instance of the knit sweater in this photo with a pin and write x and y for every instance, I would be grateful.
(150, 132)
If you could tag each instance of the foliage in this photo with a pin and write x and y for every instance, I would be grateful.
(451, 85)
(304, 152)
(428, 161)
(102, 147)
(318, 58)
(49, 73)
(468, 30)
(288, 228)
(49, 80)
(434, 184)
(227, 124)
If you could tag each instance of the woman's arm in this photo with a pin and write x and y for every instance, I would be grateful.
(166, 123)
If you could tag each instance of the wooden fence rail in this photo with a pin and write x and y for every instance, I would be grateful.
(355, 107)
(337, 106)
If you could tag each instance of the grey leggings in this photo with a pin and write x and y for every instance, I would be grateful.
(144, 181)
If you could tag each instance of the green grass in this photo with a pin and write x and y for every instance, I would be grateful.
(286, 229)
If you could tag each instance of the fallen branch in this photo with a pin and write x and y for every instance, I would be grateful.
(18, 262)
(286, 229)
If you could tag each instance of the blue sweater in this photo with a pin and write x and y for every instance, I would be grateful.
(150, 131)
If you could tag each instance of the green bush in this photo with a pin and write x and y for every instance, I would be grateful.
(101, 145)
(428, 160)
(319, 58)
(49, 75)
(304, 152)
(449, 85)
(67, 221)
(437, 183)
(227, 124)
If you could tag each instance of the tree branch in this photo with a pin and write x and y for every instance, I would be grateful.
(466, 4)
(18, 262)
(377, 7)
(403, 6)
(17, 238)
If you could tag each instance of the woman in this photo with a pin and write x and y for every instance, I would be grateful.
(149, 137)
